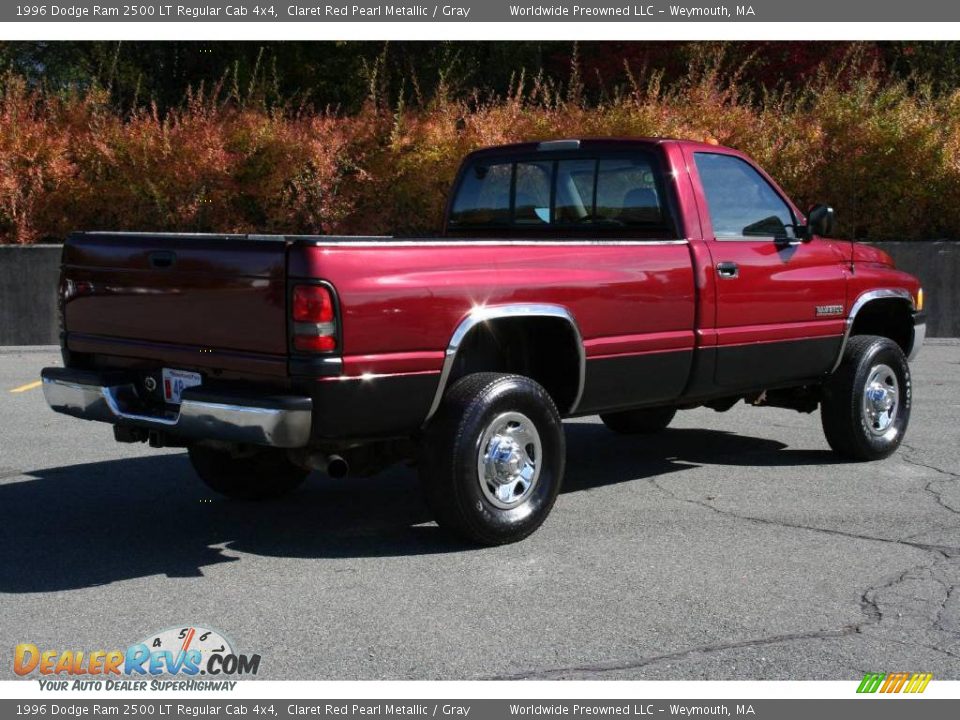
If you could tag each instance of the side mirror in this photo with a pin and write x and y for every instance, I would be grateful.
(820, 222)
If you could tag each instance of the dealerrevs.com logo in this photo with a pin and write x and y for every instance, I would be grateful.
(173, 659)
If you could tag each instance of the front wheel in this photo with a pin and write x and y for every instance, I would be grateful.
(254, 474)
(866, 403)
(492, 459)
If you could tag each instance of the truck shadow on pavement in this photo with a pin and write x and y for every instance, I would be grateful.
(81, 526)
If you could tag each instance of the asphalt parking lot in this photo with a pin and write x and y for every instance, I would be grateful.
(732, 546)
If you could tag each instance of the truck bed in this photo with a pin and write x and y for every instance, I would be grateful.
(220, 305)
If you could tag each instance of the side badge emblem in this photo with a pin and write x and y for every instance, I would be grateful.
(826, 310)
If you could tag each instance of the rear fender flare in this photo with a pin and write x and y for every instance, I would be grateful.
(484, 314)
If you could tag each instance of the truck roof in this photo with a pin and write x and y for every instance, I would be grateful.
(589, 143)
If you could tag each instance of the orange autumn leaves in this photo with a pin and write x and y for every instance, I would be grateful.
(886, 154)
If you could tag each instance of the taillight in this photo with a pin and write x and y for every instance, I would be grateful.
(312, 304)
(314, 320)
(314, 343)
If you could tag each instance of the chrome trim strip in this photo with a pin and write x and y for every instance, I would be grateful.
(202, 419)
(484, 314)
(386, 241)
(368, 376)
(762, 238)
(857, 306)
(492, 243)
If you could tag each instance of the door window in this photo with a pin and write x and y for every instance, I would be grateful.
(742, 203)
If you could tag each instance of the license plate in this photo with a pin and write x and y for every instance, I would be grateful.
(176, 381)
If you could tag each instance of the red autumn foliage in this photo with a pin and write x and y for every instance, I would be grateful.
(883, 152)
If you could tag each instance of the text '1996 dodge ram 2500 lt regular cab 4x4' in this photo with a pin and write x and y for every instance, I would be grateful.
(626, 278)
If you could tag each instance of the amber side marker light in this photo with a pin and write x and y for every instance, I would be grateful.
(919, 299)
(314, 323)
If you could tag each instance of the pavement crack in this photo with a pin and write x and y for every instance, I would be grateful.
(620, 665)
(928, 488)
(942, 550)
(938, 621)
(869, 606)
(912, 449)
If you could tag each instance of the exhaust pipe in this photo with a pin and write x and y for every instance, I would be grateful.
(337, 467)
(333, 465)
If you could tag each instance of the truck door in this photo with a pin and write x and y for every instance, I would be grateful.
(780, 301)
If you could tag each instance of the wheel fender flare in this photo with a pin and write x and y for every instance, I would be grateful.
(861, 302)
(483, 314)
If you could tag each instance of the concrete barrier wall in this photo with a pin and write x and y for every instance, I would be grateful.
(28, 288)
(28, 294)
(937, 264)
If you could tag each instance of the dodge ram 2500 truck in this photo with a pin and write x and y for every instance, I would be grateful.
(627, 278)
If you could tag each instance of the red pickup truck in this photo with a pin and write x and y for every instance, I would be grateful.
(627, 278)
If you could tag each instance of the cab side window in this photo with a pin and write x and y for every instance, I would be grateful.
(742, 203)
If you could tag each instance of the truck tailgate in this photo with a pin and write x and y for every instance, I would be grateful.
(208, 293)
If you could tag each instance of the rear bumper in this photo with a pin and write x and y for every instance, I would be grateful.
(277, 421)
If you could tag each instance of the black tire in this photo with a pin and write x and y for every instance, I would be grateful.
(258, 474)
(644, 422)
(851, 430)
(460, 496)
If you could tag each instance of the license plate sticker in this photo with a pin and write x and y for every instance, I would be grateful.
(176, 381)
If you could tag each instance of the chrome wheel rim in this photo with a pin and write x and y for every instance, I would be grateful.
(881, 399)
(509, 459)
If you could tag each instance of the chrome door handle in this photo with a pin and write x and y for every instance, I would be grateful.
(728, 269)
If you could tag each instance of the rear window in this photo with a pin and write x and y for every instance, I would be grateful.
(576, 193)
(484, 196)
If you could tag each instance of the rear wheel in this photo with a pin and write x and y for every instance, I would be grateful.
(866, 403)
(254, 474)
(492, 459)
(644, 422)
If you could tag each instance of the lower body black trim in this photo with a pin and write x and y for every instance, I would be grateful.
(625, 381)
(379, 406)
(760, 365)
(720, 372)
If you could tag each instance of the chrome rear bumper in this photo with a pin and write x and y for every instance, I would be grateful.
(278, 421)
